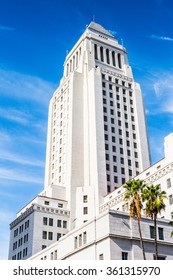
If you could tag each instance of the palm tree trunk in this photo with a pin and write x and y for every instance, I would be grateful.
(155, 235)
(141, 239)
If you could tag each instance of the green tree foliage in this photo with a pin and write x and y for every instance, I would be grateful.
(133, 194)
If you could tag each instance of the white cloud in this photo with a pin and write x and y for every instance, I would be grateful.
(14, 115)
(163, 88)
(19, 175)
(162, 38)
(5, 155)
(18, 85)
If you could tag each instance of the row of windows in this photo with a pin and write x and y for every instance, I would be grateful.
(160, 233)
(49, 236)
(50, 222)
(21, 228)
(80, 240)
(117, 81)
(60, 205)
(19, 256)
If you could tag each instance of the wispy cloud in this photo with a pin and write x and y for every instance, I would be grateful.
(5, 155)
(161, 38)
(18, 85)
(15, 175)
(14, 115)
(163, 88)
(6, 28)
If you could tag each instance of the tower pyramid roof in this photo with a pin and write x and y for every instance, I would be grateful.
(97, 27)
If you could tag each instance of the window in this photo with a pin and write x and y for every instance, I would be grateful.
(58, 223)
(84, 237)
(108, 189)
(113, 148)
(43, 247)
(108, 177)
(101, 54)
(128, 151)
(113, 129)
(107, 157)
(75, 242)
(122, 160)
(111, 103)
(64, 224)
(170, 199)
(45, 221)
(58, 236)
(168, 181)
(110, 86)
(85, 210)
(50, 236)
(106, 136)
(95, 51)
(121, 150)
(114, 158)
(151, 232)
(160, 231)
(113, 139)
(115, 179)
(44, 234)
(124, 256)
(112, 120)
(107, 56)
(112, 111)
(104, 109)
(122, 170)
(60, 205)
(115, 168)
(107, 167)
(101, 257)
(123, 180)
(85, 198)
(130, 172)
(50, 222)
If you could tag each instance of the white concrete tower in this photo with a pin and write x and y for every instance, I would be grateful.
(97, 137)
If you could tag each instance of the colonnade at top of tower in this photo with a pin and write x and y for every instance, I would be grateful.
(73, 62)
(108, 56)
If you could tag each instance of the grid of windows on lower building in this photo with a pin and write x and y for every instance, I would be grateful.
(21, 228)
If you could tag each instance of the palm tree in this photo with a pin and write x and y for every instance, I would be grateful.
(153, 196)
(133, 192)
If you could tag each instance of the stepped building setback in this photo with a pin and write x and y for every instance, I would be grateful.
(97, 140)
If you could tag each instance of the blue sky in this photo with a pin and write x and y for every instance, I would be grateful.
(34, 38)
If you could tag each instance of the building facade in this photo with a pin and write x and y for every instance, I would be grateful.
(97, 136)
(96, 141)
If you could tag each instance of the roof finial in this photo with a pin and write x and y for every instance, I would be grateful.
(122, 42)
(93, 18)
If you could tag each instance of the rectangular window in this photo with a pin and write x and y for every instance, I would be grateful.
(170, 199)
(84, 237)
(85, 210)
(161, 236)
(50, 222)
(168, 181)
(75, 242)
(85, 199)
(44, 234)
(58, 223)
(50, 236)
(124, 256)
(64, 224)
(151, 232)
